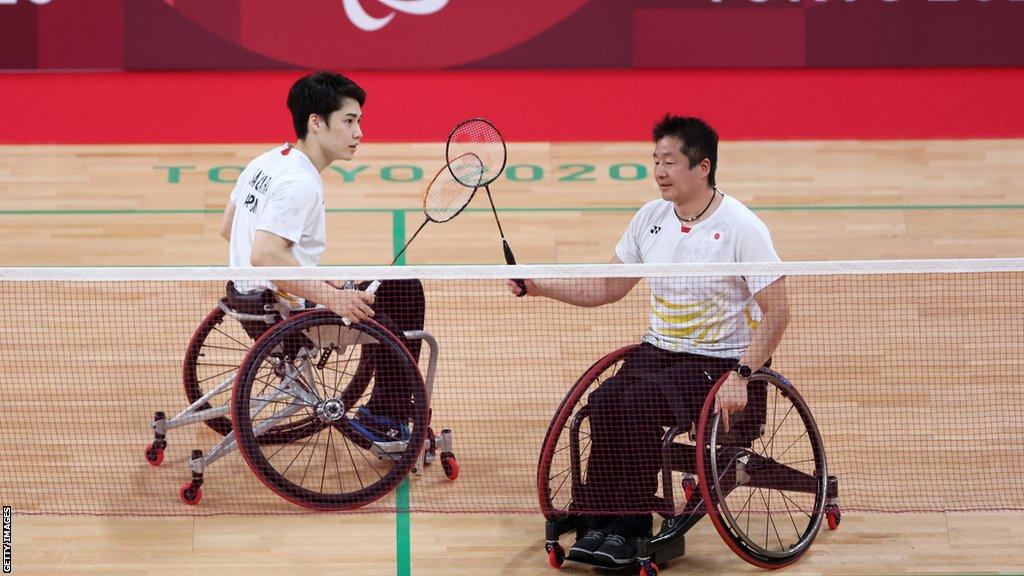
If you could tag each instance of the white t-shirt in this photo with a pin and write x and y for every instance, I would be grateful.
(280, 192)
(707, 316)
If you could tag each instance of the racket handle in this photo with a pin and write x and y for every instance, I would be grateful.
(510, 259)
(522, 287)
(371, 289)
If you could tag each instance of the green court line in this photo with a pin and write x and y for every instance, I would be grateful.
(403, 540)
(398, 235)
(794, 208)
(403, 536)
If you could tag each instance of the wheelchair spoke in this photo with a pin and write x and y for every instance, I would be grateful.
(229, 367)
(796, 530)
(795, 505)
(334, 451)
(318, 379)
(796, 462)
(263, 377)
(775, 429)
(749, 515)
(299, 453)
(286, 393)
(769, 519)
(566, 447)
(276, 452)
(771, 440)
(793, 443)
(355, 468)
(312, 452)
(585, 451)
(747, 503)
(228, 348)
(764, 451)
(339, 374)
(327, 453)
(565, 476)
(218, 375)
(316, 371)
(245, 346)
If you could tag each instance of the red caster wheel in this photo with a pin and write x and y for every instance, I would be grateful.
(190, 494)
(834, 517)
(450, 465)
(649, 569)
(154, 455)
(556, 555)
(689, 487)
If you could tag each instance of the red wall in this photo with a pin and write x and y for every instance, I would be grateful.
(276, 34)
(197, 107)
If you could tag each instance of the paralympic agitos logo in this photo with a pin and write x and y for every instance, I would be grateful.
(364, 21)
(346, 34)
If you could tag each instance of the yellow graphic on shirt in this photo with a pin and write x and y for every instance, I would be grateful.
(750, 319)
(292, 301)
(702, 322)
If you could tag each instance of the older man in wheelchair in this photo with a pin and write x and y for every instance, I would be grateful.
(665, 406)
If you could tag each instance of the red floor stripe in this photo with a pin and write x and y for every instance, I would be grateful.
(556, 105)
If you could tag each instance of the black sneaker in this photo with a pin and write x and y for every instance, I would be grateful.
(584, 548)
(616, 551)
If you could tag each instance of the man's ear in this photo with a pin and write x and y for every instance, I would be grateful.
(705, 167)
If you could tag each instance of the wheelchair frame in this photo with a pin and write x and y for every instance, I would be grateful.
(280, 320)
(719, 467)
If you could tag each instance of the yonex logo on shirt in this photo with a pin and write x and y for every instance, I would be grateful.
(655, 229)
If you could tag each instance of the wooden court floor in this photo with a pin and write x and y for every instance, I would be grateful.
(566, 203)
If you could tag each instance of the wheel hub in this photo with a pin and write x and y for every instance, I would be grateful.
(331, 410)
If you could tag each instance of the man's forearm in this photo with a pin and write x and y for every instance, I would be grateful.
(314, 290)
(585, 292)
(766, 339)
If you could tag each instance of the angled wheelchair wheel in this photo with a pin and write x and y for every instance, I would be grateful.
(307, 382)
(766, 478)
(563, 456)
(217, 348)
(212, 357)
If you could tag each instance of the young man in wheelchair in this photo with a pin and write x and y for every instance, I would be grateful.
(700, 328)
(276, 217)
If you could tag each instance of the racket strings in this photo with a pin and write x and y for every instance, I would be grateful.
(479, 137)
(453, 188)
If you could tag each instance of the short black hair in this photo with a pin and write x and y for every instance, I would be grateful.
(699, 140)
(321, 93)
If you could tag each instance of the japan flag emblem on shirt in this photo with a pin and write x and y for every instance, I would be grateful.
(716, 235)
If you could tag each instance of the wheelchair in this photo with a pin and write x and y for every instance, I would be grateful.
(288, 388)
(764, 485)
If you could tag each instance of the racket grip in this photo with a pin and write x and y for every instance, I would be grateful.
(510, 259)
(522, 287)
(371, 289)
